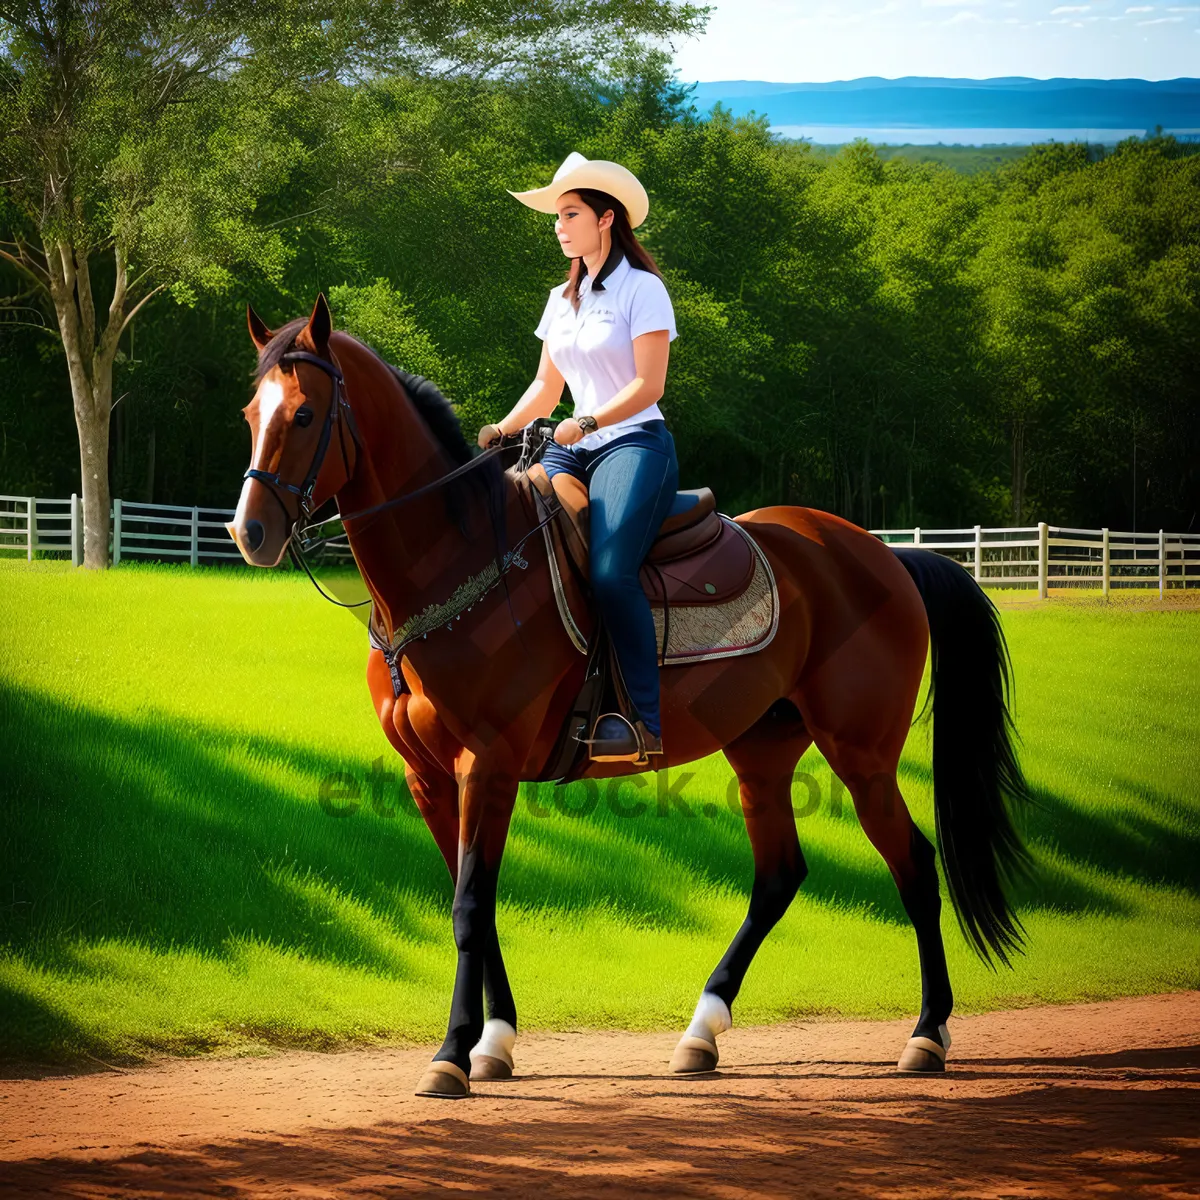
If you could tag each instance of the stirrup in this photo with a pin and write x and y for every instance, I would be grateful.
(627, 747)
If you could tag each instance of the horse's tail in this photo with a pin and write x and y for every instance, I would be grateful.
(977, 780)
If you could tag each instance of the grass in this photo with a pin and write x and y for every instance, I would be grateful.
(171, 881)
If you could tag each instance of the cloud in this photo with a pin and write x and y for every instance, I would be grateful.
(1141, 8)
(1160, 21)
(950, 3)
(1069, 8)
(960, 17)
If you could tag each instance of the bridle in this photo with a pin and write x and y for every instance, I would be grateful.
(340, 414)
(533, 441)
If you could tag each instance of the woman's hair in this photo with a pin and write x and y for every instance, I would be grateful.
(624, 241)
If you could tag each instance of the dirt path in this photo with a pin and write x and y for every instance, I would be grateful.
(1046, 1102)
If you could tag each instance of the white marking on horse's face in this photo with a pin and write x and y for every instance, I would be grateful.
(270, 398)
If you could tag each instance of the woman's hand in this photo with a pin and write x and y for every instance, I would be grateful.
(568, 432)
(487, 435)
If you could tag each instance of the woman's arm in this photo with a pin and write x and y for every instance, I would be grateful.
(650, 353)
(540, 399)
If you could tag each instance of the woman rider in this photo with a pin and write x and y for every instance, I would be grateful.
(606, 336)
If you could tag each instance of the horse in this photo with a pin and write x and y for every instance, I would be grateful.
(475, 708)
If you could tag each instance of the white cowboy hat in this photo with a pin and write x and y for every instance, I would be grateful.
(579, 172)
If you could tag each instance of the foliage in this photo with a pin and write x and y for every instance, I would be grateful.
(861, 331)
(140, 140)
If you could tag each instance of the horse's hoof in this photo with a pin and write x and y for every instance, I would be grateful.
(444, 1081)
(693, 1055)
(922, 1056)
(492, 1056)
(484, 1066)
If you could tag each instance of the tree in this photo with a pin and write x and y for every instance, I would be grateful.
(138, 137)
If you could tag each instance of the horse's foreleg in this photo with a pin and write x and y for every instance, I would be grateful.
(764, 757)
(435, 793)
(487, 794)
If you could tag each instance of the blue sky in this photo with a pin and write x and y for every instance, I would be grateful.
(794, 40)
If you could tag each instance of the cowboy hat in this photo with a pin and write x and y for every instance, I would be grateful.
(579, 172)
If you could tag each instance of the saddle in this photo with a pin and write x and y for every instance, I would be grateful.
(698, 558)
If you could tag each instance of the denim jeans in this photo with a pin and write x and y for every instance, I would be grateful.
(631, 481)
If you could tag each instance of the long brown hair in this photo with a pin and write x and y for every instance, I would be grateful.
(624, 244)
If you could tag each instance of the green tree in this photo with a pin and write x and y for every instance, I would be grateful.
(139, 136)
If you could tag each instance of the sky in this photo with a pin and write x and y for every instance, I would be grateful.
(817, 41)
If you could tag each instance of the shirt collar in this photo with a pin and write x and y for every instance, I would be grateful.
(614, 269)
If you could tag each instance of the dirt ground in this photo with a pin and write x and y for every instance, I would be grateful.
(1093, 1099)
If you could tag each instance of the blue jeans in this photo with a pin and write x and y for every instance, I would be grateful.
(631, 482)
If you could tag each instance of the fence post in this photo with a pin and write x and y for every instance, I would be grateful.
(76, 557)
(978, 554)
(917, 536)
(1104, 560)
(116, 532)
(1043, 558)
(1162, 563)
(195, 537)
(30, 526)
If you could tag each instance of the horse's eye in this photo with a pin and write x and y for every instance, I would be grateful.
(303, 417)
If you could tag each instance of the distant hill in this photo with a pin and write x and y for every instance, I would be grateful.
(967, 103)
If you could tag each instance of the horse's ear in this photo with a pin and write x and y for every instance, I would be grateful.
(320, 324)
(260, 335)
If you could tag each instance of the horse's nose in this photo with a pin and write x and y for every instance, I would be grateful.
(254, 535)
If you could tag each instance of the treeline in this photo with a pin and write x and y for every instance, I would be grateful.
(893, 341)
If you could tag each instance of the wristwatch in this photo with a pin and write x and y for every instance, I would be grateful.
(588, 424)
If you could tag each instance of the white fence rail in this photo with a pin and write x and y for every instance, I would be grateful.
(38, 526)
(1043, 556)
(1033, 556)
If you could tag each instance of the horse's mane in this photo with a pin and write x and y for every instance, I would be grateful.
(435, 410)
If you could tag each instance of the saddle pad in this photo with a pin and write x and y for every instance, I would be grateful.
(742, 625)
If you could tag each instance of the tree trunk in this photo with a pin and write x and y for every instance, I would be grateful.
(866, 486)
(89, 367)
(150, 466)
(912, 508)
(93, 460)
(1018, 469)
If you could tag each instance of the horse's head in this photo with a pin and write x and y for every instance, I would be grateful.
(302, 445)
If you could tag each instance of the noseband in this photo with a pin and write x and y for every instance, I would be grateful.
(339, 411)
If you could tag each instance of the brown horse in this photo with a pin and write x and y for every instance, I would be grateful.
(480, 704)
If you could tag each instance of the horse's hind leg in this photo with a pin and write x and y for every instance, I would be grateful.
(764, 758)
(870, 777)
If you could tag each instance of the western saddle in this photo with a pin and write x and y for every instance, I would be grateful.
(698, 557)
(695, 558)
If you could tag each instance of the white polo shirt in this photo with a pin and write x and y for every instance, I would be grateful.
(593, 349)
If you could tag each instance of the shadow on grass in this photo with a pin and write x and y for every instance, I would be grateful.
(165, 835)
(1143, 835)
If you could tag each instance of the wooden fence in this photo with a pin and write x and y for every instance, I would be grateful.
(1046, 556)
(1035, 556)
(42, 527)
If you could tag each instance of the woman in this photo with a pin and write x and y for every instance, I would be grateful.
(606, 336)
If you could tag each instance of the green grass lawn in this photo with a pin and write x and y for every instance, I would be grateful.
(170, 881)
